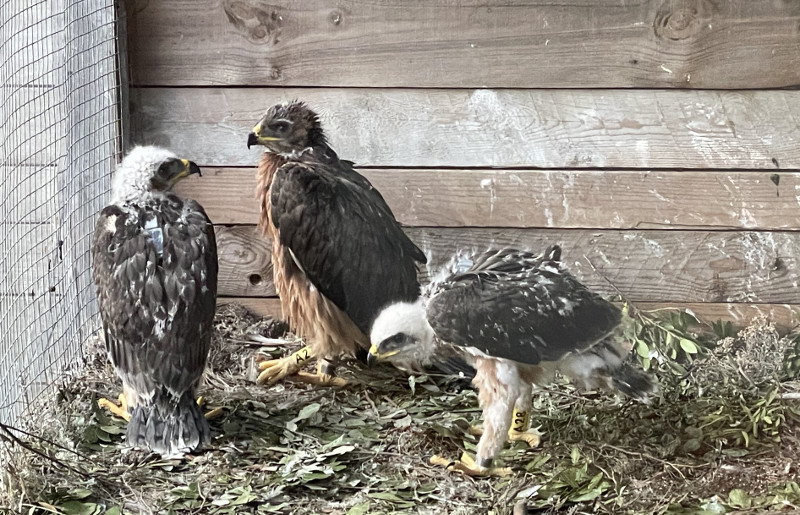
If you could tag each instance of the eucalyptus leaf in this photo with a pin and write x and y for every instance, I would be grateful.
(79, 508)
(688, 346)
(359, 509)
(307, 411)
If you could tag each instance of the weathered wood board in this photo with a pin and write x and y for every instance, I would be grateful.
(443, 43)
(485, 128)
(589, 199)
(784, 316)
(654, 265)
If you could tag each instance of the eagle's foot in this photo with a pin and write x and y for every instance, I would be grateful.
(213, 412)
(120, 410)
(467, 465)
(520, 428)
(273, 370)
(319, 379)
(532, 437)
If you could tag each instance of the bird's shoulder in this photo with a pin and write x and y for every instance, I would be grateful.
(519, 305)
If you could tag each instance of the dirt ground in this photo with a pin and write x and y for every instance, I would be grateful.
(722, 438)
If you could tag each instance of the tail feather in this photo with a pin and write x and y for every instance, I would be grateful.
(604, 366)
(634, 383)
(169, 429)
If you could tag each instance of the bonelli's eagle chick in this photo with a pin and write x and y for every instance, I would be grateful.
(518, 318)
(339, 255)
(154, 262)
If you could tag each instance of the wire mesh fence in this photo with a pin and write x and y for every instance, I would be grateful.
(59, 133)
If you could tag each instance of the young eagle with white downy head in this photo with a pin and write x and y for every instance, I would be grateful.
(338, 253)
(517, 318)
(154, 261)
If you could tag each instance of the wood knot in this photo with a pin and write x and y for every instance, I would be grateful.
(260, 23)
(682, 19)
(336, 17)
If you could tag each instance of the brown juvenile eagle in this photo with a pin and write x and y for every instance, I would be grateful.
(518, 318)
(338, 253)
(155, 266)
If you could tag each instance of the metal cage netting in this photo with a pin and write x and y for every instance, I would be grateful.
(59, 141)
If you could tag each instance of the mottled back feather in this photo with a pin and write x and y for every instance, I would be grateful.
(157, 311)
(521, 306)
(343, 235)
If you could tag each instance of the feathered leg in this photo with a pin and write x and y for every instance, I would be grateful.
(499, 386)
(520, 422)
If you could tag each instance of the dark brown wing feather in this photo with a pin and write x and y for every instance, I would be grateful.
(157, 311)
(344, 237)
(521, 306)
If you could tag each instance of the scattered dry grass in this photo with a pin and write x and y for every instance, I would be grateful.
(722, 438)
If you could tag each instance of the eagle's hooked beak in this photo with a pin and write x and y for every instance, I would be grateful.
(190, 167)
(252, 139)
(255, 137)
(374, 355)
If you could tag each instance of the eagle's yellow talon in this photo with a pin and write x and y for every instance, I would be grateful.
(319, 379)
(532, 437)
(120, 410)
(467, 465)
(268, 363)
(201, 401)
(439, 461)
(214, 413)
(274, 370)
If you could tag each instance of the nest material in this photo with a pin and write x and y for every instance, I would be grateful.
(754, 358)
(364, 449)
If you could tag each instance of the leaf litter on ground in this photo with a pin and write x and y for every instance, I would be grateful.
(722, 437)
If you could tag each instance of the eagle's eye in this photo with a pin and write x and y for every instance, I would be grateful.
(396, 341)
(280, 127)
(398, 338)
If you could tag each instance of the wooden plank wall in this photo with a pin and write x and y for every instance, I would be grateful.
(657, 140)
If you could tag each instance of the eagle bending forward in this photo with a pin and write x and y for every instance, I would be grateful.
(154, 262)
(338, 253)
(518, 318)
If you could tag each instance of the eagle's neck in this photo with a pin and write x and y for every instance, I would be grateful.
(295, 155)
(264, 175)
(136, 197)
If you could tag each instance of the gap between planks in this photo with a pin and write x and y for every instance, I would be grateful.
(784, 316)
(655, 265)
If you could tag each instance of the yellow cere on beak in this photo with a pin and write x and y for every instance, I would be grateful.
(378, 356)
(185, 171)
(257, 132)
